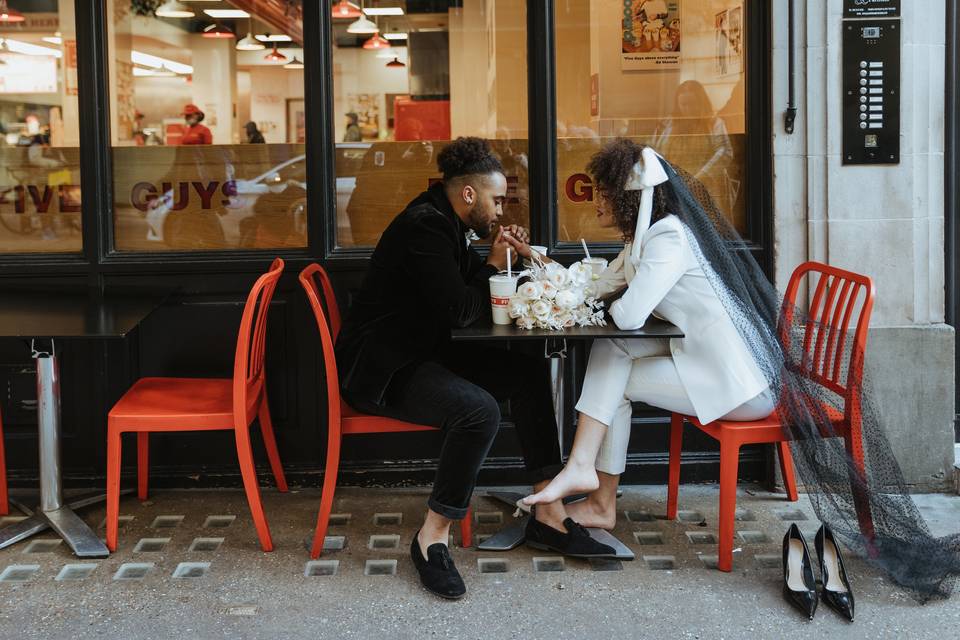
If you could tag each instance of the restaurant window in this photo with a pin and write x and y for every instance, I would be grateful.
(408, 78)
(667, 73)
(39, 129)
(207, 124)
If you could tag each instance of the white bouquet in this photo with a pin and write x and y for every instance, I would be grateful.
(556, 298)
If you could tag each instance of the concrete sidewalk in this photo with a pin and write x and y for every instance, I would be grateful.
(230, 589)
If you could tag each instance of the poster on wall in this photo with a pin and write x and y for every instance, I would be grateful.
(366, 106)
(296, 121)
(728, 35)
(650, 34)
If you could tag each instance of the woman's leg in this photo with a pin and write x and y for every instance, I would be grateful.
(608, 371)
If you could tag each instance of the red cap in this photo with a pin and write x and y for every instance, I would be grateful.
(191, 109)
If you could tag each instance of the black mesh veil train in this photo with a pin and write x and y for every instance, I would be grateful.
(868, 506)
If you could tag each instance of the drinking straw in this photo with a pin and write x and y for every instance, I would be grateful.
(509, 269)
(585, 250)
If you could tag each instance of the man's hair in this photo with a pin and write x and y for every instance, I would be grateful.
(467, 157)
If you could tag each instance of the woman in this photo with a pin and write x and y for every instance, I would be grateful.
(709, 373)
(691, 267)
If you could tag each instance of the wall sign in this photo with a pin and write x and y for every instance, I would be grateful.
(871, 8)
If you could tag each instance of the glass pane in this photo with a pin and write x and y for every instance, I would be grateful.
(667, 73)
(208, 122)
(39, 129)
(433, 71)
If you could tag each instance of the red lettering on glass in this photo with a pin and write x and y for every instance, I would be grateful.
(167, 189)
(140, 201)
(42, 204)
(579, 188)
(205, 193)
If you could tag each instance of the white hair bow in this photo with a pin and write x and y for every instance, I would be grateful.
(646, 174)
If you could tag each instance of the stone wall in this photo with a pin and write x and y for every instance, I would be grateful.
(882, 220)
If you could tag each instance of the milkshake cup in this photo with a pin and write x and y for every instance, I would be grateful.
(502, 288)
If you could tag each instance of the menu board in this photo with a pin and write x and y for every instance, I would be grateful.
(28, 74)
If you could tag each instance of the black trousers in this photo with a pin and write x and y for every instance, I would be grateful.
(458, 392)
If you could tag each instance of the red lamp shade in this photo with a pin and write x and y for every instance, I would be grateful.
(217, 31)
(275, 56)
(395, 63)
(344, 9)
(376, 42)
(9, 15)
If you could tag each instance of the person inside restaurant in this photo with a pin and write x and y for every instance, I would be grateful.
(194, 132)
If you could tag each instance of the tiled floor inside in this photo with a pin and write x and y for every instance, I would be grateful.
(191, 560)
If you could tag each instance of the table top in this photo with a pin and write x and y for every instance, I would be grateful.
(73, 315)
(654, 328)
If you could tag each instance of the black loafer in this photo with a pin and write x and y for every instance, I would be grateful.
(437, 572)
(576, 542)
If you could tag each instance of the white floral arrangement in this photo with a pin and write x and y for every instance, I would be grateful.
(556, 298)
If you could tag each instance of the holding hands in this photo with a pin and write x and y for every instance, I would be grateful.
(514, 237)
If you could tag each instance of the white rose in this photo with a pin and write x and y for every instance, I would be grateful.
(558, 277)
(566, 299)
(518, 307)
(580, 273)
(540, 309)
(549, 290)
(530, 290)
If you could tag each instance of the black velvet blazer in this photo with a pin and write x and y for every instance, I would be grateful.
(423, 279)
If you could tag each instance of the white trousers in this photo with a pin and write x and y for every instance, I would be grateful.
(640, 370)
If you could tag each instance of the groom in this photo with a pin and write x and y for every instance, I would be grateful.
(395, 356)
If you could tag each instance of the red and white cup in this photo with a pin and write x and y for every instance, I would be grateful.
(502, 288)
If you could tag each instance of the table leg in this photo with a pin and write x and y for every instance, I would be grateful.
(52, 512)
(556, 350)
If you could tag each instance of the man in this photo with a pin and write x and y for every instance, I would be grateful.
(395, 356)
(194, 132)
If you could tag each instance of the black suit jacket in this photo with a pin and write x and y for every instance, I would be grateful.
(422, 280)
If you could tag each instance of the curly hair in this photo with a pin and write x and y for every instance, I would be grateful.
(610, 168)
(467, 157)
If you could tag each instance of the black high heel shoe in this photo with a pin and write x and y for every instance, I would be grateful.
(799, 586)
(836, 588)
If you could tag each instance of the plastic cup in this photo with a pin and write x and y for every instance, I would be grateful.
(502, 288)
(597, 265)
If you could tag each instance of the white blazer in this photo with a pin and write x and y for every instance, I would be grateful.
(716, 369)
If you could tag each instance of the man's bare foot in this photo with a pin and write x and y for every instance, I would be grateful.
(590, 514)
(573, 479)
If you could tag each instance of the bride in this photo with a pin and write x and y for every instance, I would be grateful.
(684, 262)
(709, 373)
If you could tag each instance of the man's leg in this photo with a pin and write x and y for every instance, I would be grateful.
(524, 380)
(469, 416)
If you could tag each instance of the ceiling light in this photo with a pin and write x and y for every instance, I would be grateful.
(9, 15)
(395, 36)
(163, 72)
(218, 31)
(275, 56)
(395, 63)
(383, 11)
(376, 42)
(274, 38)
(249, 43)
(296, 63)
(155, 62)
(15, 46)
(343, 10)
(362, 26)
(172, 9)
(54, 39)
(226, 13)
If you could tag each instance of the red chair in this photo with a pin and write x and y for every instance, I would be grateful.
(202, 404)
(832, 309)
(4, 505)
(343, 420)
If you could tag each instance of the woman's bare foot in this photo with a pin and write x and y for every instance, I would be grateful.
(590, 514)
(574, 478)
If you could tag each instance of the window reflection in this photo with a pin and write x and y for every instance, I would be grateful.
(411, 75)
(686, 101)
(39, 129)
(208, 125)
